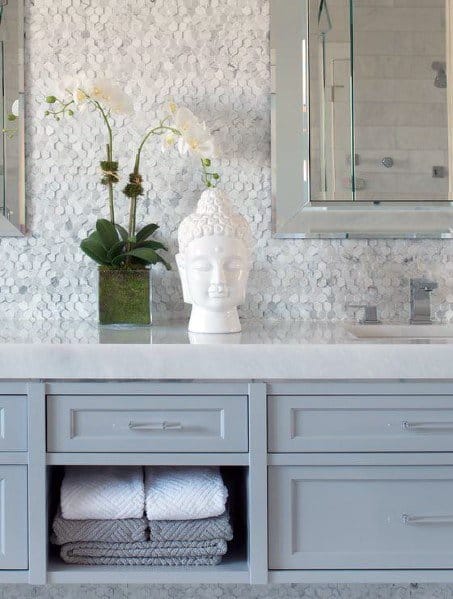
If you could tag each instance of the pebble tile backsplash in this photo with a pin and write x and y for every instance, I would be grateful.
(212, 56)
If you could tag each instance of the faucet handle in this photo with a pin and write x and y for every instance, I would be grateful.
(370, 313)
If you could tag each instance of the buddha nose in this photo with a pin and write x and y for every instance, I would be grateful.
(218, 283)
(218, 277)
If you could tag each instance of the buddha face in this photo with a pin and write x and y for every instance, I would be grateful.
(214, 272)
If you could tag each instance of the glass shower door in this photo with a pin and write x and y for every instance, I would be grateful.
(332, 162)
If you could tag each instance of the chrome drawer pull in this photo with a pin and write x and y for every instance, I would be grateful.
(427, 426)
(155, 426)
(426, 519)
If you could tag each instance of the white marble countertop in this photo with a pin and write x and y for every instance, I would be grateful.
(268, 351)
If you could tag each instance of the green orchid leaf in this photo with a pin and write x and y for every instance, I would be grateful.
(122, 231)
(107, 232)
(94, 236)
(153, 245)
(95, 251)
(146, 232)
(118, 260)
(115, 250)
(142, 255)
(164, 262)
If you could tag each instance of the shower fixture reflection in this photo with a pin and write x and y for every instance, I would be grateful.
(441, 78)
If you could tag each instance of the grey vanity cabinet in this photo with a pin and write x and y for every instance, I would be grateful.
(13, 517)
(360, 476)
(360, 517)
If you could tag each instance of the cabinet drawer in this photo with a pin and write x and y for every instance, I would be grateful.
(13, 423)
(360, 423)
(13, 518)
(360, 517)
(147, 423)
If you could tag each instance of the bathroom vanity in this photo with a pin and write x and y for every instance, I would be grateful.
(339, 449)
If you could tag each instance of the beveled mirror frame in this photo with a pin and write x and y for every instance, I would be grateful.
(293, 213)
(13, 211)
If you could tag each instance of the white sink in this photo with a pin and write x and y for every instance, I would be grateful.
(401, 331)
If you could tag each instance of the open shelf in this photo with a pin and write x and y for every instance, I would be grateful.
(233, 569)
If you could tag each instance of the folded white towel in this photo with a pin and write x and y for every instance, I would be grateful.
(184, 493)
(102, 492)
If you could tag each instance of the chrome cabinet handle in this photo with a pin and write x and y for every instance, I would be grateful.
(155, 426)
(427, 426)
(426, 519)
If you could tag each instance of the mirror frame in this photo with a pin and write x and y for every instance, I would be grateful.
(13, 214)
(344, 220)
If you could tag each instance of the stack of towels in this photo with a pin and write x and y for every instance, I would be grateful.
(153, 516)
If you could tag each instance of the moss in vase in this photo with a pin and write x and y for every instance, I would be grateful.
(124, 296)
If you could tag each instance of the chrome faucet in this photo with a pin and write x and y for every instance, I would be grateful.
(421, 301)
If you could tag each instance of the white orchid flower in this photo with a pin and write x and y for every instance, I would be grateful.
(185, 120)
(198, 141)
(168, 141)
(172, 107)
(79, 96)
(110, 95)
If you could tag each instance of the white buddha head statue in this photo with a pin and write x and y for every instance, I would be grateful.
(214, 262)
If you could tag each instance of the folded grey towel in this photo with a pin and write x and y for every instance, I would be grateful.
(163, 553)
(205, 529)
(128, 530)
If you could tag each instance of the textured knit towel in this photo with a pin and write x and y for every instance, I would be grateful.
(184, 493)
(128, 530)
(102, 492)
(205, 529)
(170, 553)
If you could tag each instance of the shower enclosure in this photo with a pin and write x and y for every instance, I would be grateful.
(378, 98)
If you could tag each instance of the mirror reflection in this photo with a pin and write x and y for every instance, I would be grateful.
(361, 112)
(379, 100)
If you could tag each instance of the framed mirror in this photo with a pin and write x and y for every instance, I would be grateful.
(362, 118)
(12, 154)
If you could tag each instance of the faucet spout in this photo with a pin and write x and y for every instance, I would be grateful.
(421, 301)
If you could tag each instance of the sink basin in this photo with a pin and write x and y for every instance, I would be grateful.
(401, 331)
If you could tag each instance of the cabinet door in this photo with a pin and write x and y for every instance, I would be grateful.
(360, 517)
(13, 518)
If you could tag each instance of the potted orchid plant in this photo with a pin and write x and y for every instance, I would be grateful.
(124, 254)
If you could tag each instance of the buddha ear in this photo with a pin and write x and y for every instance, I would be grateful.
(180, 261)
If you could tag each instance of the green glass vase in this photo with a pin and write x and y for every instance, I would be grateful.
(124, 296)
